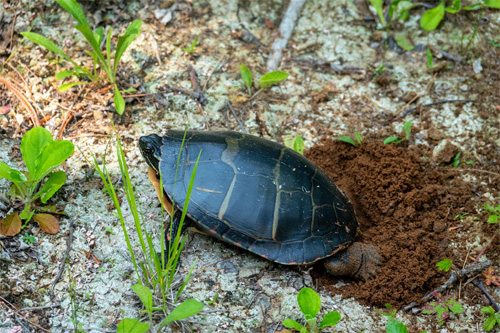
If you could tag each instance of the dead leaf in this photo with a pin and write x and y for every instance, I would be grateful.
(10, 225)
(490, 278)
(48, 223)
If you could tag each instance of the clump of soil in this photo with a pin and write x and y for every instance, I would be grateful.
(405, 206)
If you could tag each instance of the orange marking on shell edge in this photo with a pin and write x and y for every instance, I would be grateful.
(237, 244)
(264, 256)
(292, 263)
(155, 181)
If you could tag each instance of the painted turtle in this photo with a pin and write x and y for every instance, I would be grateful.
(261, 196)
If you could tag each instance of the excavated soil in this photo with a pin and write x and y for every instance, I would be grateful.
(405, 205)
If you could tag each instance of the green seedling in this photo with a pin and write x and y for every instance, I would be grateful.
(403, 42)
(28, 239)
(94, 38)
(443, 307)
(430, 58)
(265, 81)
(494, 212)
(348, 140)
(41, 154)
(310, 304)
(456, 160)
(192, 47)
(213, 300)
(246, 76)
(377, 5)
(492, 320)
(393, 325)
(461, 217)
(445, 264)
(296, 143)
(406, 132)
(380, 69)
(155, 275)
(432, 17)
(494, 43)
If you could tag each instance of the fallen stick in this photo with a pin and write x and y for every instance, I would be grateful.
(458, 275)
(286, 28)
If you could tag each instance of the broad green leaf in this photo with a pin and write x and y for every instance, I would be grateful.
(98, 34)
(489, 323)
(394, 326)
(402, 9)
(184, 310)
(456, 307)
(493, 219)
(390, 139)
(492, 4)
(309, 302)
(330, 319)
(66, 86)
(53, 183)
(487, 309)
(129, 325)
(52, 155)
(10, 225)
(407, 129)
(298, 145)
(64, 74)
(444, 264)
(431, 18)
(455, 7)
(125, 40)
(108, 47)
(47, 222)
(246, 76)
(48, 44)
(145, 295)
(346, 139)
(272, 78)
(292, 324)
(377, 4)
(74, 9)
(31, 146)
(11, 174)
(403, 42)
(119, 101)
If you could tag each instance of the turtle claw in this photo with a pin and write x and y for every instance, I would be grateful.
(359, 260)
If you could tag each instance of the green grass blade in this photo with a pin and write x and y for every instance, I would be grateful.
(65, 86)
(125, 40)
(119, 101)
(72, 7)
(48, 44)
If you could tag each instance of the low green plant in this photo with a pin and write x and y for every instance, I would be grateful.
(443, 306)
(393, 325)
(310, 304)
(41, 154)
(492, 320)
(461, 217)
(403, 42)
(296, 143)
(377, 5)
(265, 81)
(494, 43)
(456, 160)
(430, 58)
(94, 38)
(432, 17)
(28, 239)
(494, 212)
(406, 132)
(445, 264)
(191, 48)
(349, 140)
(213, 300)
(155, 273)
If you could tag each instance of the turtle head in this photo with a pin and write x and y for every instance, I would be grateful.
(150, 147)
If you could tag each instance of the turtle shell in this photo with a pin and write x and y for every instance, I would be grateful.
(258, 195)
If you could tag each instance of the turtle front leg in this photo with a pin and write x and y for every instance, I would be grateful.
(359, 261)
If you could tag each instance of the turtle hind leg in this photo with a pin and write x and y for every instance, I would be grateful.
(359, 261)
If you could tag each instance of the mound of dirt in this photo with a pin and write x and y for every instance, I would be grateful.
(405, 205)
